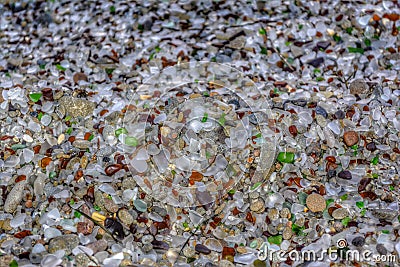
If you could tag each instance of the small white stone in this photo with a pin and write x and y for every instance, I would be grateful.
(27, 138)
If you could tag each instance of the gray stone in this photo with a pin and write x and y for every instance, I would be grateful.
(66, 243)
(82, 260)
(128, 182)
(72, 162)
(321, 121)
(76, 107)
(81, 144)
(238, 43)
(160, 211)
(125, 217)
(296, 51)
(385, 214)
(45, 19)
(110, 205)
(14, 197)
(358, 241)
(99, 245)
(340, 213)
(381, 249)
(99, 199)
(257, 206)
(359, 87)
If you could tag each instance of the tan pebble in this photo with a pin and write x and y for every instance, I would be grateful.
(217, 84)
(280, 227)
(125, 217)
(77, 107)
(72, 162)
(192, 96)
(189, 252)
(60, 138)
(101, 231)
(327, 94)
(330, 32)
(6, 260)
(287, 233)
(241, 250)
(273, 214)
(181, 143)
(165, 131)
(126, 263)
(285, 213)
(340, 213)
(220, 208)
(6, 225)
(60, 155)
(316, 202)
(149, 262)
(7, 154)
(58, 95)
(84, 162)
(27, 138)
(257, 206)
(145, 97)
(110, 205)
